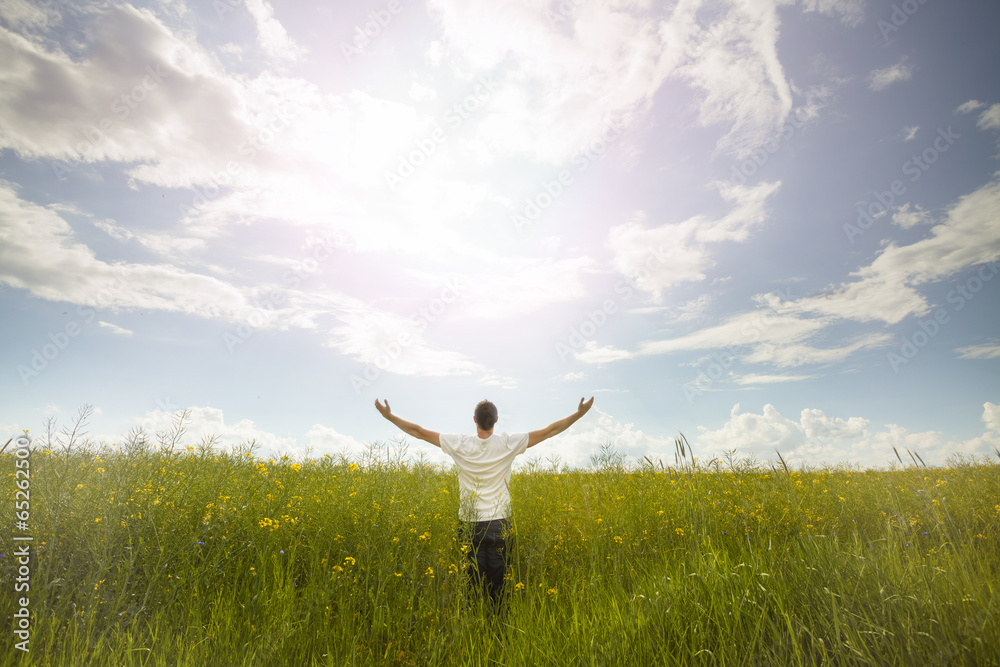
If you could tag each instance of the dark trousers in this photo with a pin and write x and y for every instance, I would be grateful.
(488, 556)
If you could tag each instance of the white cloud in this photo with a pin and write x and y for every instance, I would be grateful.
(12, 431)
(788, 334)
(880, 79)
(607, 66)
(734, 62)
(757, 378)
(657, 258)
(968, 236)
(990, 350)
(293, 177)
(602, 61)
(142, 95)
(763, 337)
(816, 439)
(592, 354)
(816, 98)
(499, 288)
(255, 147)
(741, 331)
(749, 209)
(326, 440)
(115, 329)
(576, 446)
(42, 254)
(970, 106)
(21, 14)
(991, 417)
(493, 380)
(694, 309)
(990, 119)
(884, 298)
(785, 356)
(165, 245)
(910, 133)
(435, 53)
(812, 439)
(750, 433)
(386, 342)
(271, 35)
(422, 93)
(910, 215)
(203, 422)
(988, 444)
(852, 12)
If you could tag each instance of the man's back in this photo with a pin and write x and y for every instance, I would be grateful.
(484, 470)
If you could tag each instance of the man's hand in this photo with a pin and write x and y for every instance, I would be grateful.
(409, 428)
(555, 428)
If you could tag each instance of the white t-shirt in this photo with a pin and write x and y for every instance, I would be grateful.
(484, 470)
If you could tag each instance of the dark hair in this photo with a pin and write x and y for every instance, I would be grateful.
(485, 415)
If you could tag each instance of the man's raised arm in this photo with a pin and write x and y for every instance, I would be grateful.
(409, 427)
(555, 428)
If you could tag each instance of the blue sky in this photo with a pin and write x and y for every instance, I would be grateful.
(767, 224)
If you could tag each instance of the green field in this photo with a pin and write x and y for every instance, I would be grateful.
(153, 552)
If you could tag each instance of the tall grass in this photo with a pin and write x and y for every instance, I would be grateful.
(160, 553)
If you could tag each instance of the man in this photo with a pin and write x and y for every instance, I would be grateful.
(484, 463)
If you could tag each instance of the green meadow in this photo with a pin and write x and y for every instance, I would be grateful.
(156, 551)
